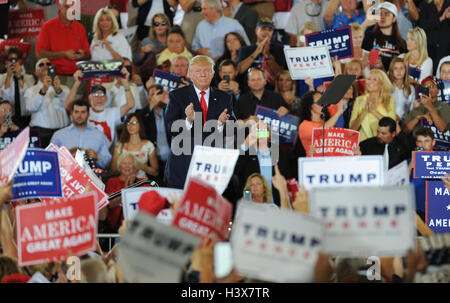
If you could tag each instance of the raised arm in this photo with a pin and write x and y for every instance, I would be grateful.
(124, 109)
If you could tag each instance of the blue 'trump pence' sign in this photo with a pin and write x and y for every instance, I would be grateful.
(167, 80)
(286, 126)
(37, 176)
(431, 165)
(438, 207)
(339, 41)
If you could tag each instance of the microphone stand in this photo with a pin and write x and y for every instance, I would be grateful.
(323, 115)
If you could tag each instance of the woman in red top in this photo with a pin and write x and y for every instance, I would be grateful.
(310, 115)
(113, 213)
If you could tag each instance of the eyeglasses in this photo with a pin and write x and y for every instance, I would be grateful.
(132, 123)
(98, 94)
(46, 63)
(156, 24)
(430, 86)
(313, 9)
(255, 184)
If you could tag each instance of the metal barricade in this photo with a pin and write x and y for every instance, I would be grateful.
(111, 239)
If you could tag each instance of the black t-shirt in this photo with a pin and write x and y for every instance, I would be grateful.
(389, 44)
(246, 105)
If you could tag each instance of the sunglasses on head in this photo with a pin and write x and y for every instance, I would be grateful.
(159, 23)
(46, 63)
(100, 94)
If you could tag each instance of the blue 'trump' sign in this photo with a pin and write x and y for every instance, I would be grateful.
(431, 165)
(438, 207)
(339, 41)
(286, 126)
(167, 80)
(37, 176)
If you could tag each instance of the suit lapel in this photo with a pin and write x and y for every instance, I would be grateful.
(194, 99)
(212, 105)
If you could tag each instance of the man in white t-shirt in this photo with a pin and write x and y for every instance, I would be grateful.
(104, 119)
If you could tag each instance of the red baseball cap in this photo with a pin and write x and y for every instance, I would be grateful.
(152, 203)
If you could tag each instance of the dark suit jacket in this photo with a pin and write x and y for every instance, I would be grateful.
(143, 11)
(399, 149)
(248, 18)
(148, 119)
(177, 166)
(248, 164)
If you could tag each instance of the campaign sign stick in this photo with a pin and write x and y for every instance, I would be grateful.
(442, 138)
(11, 157)
(26, 24)
(275, 245)
(9, 137)
(167, 80)
(37, 176)
(131, 196)
(339, 41)
(213, 165)
(366, 221)
(312, 61)
(437, 207)
(286, 126)
(46, 232)
(100, 69)
(151, 251)
(341, 171)
(431, 165)
(338, 141)
(203, 211)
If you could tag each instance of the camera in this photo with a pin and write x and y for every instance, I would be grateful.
(8, 119)
(262, 133)
(52, 72)
(424, 90)
(247, 195)
(13, 60)
(226, 78)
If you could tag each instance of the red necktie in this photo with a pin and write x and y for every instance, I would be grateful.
(203, 105)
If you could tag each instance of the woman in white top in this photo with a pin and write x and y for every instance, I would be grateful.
(404, 93)
(108, 43)
(132, 140)
(417, 55)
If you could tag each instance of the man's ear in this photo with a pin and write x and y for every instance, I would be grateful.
(433, 143)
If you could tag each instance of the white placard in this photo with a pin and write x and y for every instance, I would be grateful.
(310, 61)
(397, 175)
(131, 196)
(212, 165)
(129, 33)
(276, 245)
(366, 221)
(153, 252)
(38, 278)
(341, 171)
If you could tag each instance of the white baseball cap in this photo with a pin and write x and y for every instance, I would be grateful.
(390, 7)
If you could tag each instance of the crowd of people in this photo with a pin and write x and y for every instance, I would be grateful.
(229, 58)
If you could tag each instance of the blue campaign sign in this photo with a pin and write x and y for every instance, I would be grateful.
(437, 207)
(286, 126)
(442, 139)
(37, 176)
(100, 69)
(431, 165)
(339, 41)
(414, 73)
(167, 80)
(9, 137)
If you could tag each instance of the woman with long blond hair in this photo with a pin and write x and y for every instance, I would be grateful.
(286, 87)
(377, 103)
(417, 55)
(404, 92)
(108, 43)
(258, 186)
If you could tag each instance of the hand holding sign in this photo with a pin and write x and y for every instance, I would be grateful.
(78, 75)
(301, 203)
(5, 192)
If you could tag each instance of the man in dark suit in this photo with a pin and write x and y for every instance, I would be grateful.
(395, 148)
(152, 116)
(199, 110)
(246, 16)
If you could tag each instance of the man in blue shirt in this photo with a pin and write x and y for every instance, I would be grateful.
(335, 19)
(209, 35)
(80, 135)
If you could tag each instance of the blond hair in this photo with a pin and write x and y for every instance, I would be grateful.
(419, 36)
(285, 72)
(96, 29)
(201, 60)
(151, 32)
(308, 25)
(386, 86)
(356, 27)
(405, 79)
(267, 191)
